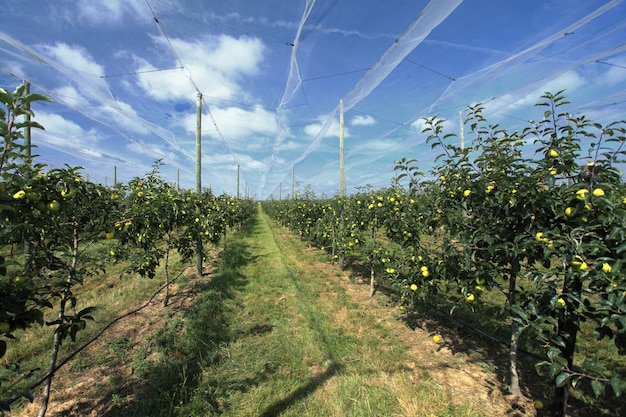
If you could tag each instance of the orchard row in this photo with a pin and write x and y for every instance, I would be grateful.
(538, 215)
(57, 230)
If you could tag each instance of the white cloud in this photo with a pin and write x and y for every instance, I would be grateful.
(74, 57)
(151, 150)
(381, 145)
(230, 161)
(614, 74)
(215, 64)
(362, 120)
(289, 146)
(121, 113)
(420, 124)
(126, 116)
(524, 99)
(236, 124)
(110, 10)
(60, 131)
(315, 129)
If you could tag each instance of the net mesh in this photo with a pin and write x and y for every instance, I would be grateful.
(125, 77)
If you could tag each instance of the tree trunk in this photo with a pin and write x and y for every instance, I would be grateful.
(514, 381)
(372, 276)
(568, 330)
(56, 344)
(167, 274)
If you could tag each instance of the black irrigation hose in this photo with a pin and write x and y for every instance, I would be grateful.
(90, 341)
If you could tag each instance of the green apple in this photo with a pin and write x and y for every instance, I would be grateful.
(68, 192)
(33, 196)
(53, 206)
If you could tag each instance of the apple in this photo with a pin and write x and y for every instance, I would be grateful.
(53, 206)
(552, 153)
(470, 297)
(115, 196)
(19, 195)
(33, 196)
(68, 192)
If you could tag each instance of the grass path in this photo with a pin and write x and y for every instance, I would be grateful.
(275, 330)
(306, 347)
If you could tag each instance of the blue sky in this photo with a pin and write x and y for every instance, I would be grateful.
(125, 75)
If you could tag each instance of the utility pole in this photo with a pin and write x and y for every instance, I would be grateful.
(342, 173)
(238, 169)
(461, 133)
(199, 251)
(27, 141)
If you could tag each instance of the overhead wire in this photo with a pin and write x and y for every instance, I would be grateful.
(195, 85)
(433, 14)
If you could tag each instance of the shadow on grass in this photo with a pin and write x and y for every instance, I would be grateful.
(173, 384)
(301, 393)
(462, 332)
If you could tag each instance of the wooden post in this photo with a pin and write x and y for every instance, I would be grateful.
(27, 140)
(199, 250)
(238, 173)
(342, 173)
(461, 133)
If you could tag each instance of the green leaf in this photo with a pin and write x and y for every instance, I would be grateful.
(618, 385)
(598, 387)
(555, 368)
(519, 311)
(562, 379)
(35, 97)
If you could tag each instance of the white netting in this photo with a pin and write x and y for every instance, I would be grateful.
(125, 76)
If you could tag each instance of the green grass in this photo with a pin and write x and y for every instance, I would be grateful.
(270, 334)
(272, 331)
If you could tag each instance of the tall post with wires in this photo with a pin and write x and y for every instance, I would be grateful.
(199, 251)
(342, 173)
